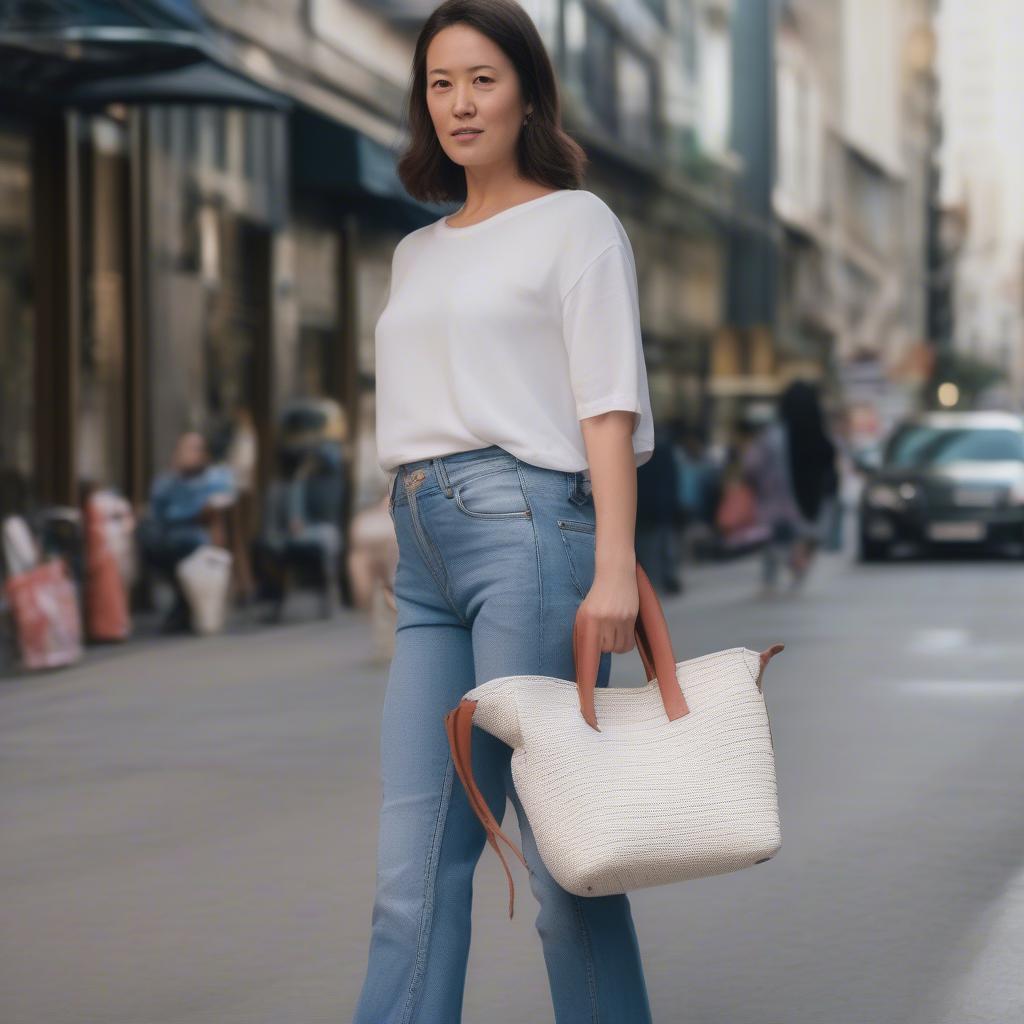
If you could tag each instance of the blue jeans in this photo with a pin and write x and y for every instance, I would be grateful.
(495, 556)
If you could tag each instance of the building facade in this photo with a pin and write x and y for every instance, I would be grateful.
(184, 245)
(982, 166)
(854, 148)
(210, 234)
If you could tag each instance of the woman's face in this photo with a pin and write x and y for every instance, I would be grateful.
(472, 84)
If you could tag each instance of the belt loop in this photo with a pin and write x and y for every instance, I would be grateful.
(442, 475)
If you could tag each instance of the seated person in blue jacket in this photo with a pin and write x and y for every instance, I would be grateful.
(182, 501)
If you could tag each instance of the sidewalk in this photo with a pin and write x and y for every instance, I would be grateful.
(707, 585)
(302, 609)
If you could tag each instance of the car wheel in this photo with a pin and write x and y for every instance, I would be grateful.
(872, 550)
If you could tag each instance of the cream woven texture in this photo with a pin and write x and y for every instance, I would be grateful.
(645, 801)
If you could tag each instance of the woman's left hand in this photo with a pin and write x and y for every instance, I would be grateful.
(613, 602)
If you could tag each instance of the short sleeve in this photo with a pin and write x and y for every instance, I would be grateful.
(601, 330)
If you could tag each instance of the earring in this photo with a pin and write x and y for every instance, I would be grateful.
(526, 120)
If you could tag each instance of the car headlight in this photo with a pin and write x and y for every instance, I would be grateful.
(884, 496)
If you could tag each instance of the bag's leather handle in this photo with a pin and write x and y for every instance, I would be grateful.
(652, 641)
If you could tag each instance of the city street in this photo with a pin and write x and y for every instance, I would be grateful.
(190, 824)
(264, 265)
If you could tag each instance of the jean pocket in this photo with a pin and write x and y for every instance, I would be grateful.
(579, 540)
(494, 495)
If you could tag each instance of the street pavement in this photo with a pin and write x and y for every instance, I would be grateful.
(189, 824)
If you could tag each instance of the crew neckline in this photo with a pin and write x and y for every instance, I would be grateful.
(452, 229)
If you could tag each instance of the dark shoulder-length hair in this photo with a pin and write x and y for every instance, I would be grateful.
(544, 151)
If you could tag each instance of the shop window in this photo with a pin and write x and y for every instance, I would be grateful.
(590, 62)
(255, 148)
(688, 29)
(100, 420)
(191, 115)
(209, 257)
(657, 8)
(17, 327)
(598, 73)
(715, 81)
(213, 137)
(870, 210)
(544, 14)
(373, 275)
(637, 100)
(317, 285)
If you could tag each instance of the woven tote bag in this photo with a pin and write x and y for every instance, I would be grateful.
(627, 788)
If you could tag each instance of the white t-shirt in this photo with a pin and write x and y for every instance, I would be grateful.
(508, 332)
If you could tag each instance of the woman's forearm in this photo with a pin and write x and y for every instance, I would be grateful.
(609, 443)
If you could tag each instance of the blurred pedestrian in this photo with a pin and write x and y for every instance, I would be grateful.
(372, 561)
(241, 454)
(512, 404)
(834, 507)
(812, 465)
(696, 491)
(182, 502)
(657, 514)
(764, 458)
(737, 526)
(302, 525)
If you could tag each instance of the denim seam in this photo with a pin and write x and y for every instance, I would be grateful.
(536, 549)
(427, 913)
(579, 525)
(572, 565)
(442, 477)
(424, 538)
(487, 515)
(588, 957)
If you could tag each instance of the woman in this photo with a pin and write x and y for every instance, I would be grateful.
(512, 412)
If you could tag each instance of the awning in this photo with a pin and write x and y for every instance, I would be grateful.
(205, 82)
(51, 46)
(332, 158)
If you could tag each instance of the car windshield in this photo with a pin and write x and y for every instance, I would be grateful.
(938, 446)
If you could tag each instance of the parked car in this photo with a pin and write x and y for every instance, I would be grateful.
(945, 478)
